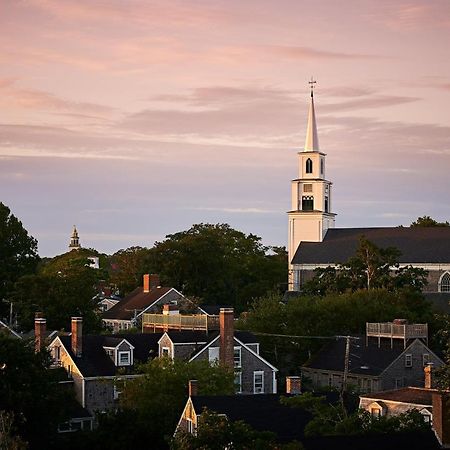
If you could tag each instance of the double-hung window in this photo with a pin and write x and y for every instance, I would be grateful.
(258, 382)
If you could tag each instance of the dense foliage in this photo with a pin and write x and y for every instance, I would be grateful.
(59, 295)
(427, 221)
(218, 264)
(31, 405)
(18, 253)
(370, 268)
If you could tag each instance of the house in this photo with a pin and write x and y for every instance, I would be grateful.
(100, 364)
(314, 242)
(262, 412)
(433, 404)
(238, 350)
(398, 401)
(390, 356)
(150, 297)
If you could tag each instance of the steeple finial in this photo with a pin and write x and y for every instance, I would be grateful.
(312, 84)
(312, 140)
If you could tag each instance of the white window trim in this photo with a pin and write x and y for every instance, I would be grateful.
(440, 281)
(239, 384)
(119, 362)
(408, 360)
(255, 374)
(168, 352)
(425, 358)
(213, 350)
(239, 365)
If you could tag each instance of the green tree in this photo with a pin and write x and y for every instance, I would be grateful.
(371, 267)
(219, 264)
(61, 295)
(427, 221)
(9, 440)
(151, 404)
(27, 392)
(127, 268)
(18, 253)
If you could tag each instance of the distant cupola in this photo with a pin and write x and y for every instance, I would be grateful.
(74, 240)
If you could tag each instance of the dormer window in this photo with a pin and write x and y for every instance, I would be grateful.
(309, 165)
(124, 359)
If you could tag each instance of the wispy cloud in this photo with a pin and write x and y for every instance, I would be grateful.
(237, 210)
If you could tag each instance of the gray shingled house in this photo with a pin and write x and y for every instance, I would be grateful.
(391, 355)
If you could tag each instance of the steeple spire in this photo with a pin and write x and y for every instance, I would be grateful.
(312, 140)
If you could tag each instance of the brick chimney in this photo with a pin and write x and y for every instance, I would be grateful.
(441, 417)
(193, 388)
(226, 349)
(77, 335)
(428, 370)
(40, 326)
(293, 385)
(150, 281)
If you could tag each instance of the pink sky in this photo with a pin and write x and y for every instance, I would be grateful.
(137, 119)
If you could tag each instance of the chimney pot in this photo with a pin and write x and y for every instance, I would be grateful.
(226, 350)
(40, 326)
(293, 385)
(150, 281)
(193, 388)
(428, 369)
(77, 335)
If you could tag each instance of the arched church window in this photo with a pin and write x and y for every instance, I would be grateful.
(307, 203)
(321, 166)
(444, 283)
(309, 165)
(326, 203)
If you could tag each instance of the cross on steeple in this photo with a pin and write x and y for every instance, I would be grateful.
(312, 84)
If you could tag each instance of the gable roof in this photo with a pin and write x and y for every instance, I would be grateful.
(212, 310)
(263, 412)
(417, 245)
(95, 362)
(8, 330)
(364, 360)
(136, 302)
(414, 395)
(198, 336)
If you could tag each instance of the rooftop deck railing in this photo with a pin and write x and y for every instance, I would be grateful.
(180, 321)
(397, 331)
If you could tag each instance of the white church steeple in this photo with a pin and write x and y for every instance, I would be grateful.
(310, 215)
(312, 140)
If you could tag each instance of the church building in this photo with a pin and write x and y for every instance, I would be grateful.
(314, 242)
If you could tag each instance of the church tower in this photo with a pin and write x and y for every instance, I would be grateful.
(310, 216)
(74, 240)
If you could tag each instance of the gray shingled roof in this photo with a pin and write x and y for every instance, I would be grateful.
(94, 360)
(364, 360)
(417, 245)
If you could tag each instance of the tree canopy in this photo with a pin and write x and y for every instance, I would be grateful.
(427, 221)
(218, 264)
(18, 253)
(32, 405)
(371, 267)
